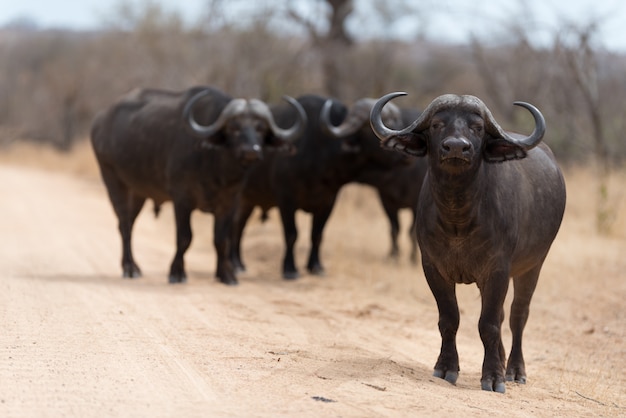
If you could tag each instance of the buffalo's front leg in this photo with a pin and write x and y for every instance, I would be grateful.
(182, 213)
(447, 366)
(242, 214)
(222, 233)
(290, 231)
(524, 287)
(490, 328)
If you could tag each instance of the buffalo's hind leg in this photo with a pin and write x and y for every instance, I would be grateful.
(447, 366)
(394, 228)
(182, 213)
(524, 287)
(222, 234)
(126, 206)
(130, 268)
(413, 238)
(314, 265)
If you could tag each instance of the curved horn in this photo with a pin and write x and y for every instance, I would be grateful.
(328, 126)
(420, 124)
(290, 134)
(451, 100)
(353, 121)
(525, 142)
(382, 131)
(357, 117)
(234, 106)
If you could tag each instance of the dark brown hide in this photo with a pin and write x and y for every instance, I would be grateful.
(490, 207)
(146, 150)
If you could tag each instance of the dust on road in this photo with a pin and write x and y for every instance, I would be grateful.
(77, 340)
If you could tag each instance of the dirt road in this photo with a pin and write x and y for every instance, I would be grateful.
(77, 340)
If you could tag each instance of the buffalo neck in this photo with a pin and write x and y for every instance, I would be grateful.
(457, 197)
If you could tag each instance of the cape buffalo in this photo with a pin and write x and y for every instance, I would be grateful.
(398, 185)
(490, 207)
(151, 144)
(308, 180)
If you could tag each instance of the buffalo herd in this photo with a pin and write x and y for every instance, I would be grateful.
(486, 203)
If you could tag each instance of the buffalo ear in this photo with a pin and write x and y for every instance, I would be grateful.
(498, 150)
(412, 144)
(214, 142)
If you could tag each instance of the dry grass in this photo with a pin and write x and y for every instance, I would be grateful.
(79, 162)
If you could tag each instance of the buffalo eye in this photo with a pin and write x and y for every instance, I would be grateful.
(436, 125)
(234, 131)
(477, 128)
(260, 127)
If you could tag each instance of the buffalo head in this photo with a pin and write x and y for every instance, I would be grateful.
(246, 125)
(356, 120)
(457, 132)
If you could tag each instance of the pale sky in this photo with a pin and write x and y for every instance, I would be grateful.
(449, 21)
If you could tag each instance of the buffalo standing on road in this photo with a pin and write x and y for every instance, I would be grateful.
(490, 207)
(309, 180)
(398, 185)
(152, 145)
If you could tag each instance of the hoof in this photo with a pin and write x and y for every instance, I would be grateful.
(516, 379)
(174, 279)
(132, 272)
(515, 374)
(291, 275)
(490, 386)
(449, 376)
(229, 281)
(318, 271)
(131, 275)
(238, 266)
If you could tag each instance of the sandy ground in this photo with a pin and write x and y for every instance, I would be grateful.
(77, 340)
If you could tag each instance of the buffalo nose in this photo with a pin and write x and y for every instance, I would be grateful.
(454, 146)
(252, 153)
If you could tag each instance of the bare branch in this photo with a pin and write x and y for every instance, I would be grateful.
(307, 24)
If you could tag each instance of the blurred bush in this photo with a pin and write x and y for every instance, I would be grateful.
(53, 82)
